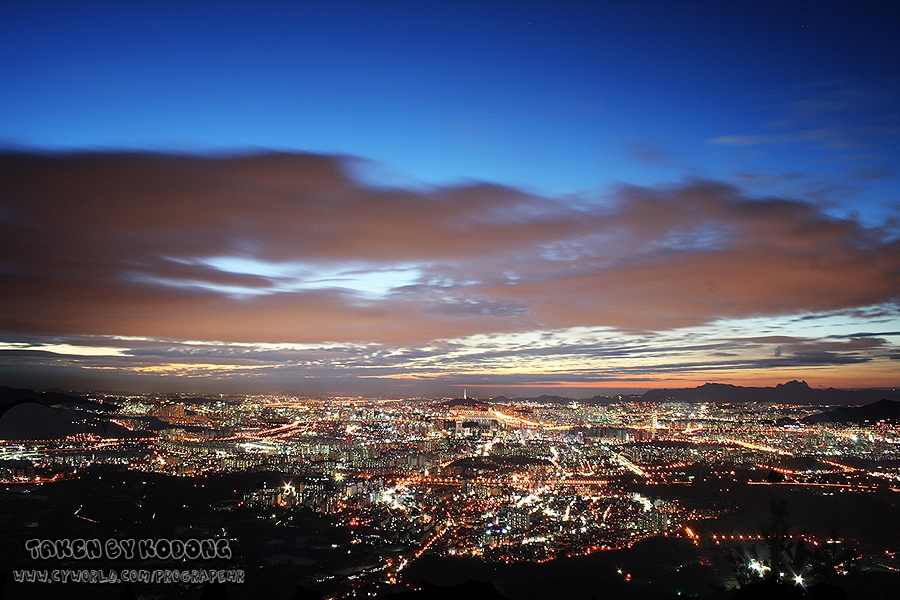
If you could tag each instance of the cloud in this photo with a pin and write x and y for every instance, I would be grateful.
(652, 155)
(586, 356)
(874, 174)
(833, 117)
(810, 135)
(290, 248)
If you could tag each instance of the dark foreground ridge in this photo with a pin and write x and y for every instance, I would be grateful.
(10, 397)
(887, 411)
(770, 589)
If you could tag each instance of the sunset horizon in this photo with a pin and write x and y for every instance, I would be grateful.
(289, 198)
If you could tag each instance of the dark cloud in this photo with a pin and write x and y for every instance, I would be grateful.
(865, 334)
(874, 174)
(841, 343)
(128, 244)
(651, 155)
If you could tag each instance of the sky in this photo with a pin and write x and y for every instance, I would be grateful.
(416, 198)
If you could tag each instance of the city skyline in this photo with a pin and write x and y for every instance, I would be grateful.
(668, 495)
(411, 200)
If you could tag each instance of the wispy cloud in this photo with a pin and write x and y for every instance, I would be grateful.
(579, 356)
(832, 116)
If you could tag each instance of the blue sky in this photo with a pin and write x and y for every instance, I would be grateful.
(604, 110)
(557, 99)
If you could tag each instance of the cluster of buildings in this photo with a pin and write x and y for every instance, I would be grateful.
(507, 481)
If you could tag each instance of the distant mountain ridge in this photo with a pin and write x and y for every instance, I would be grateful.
(792, 392)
